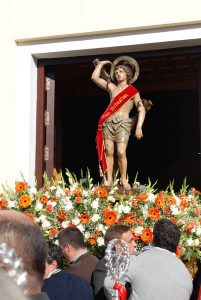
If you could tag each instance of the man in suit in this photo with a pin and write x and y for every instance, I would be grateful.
(157, 273)
(116, 231)
(61, 285)
(80, 261)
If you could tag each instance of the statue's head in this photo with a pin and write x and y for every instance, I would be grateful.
(128, 70)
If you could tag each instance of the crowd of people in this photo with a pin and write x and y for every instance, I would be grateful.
(155, 273)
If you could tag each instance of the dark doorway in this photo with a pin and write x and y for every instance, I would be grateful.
(171, 143)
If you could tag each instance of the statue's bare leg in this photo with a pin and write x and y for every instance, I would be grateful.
(122, 161)
(109, 151)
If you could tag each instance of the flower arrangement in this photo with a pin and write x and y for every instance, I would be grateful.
(93, 209)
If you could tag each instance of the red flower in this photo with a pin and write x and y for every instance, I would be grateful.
(30, 216)
(62, 215)
(178, 251)
(52, 232)
(49, 207)
(78, 199)
(43, 199)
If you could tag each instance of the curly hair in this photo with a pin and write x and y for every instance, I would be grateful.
(54, 253)
(166, 235)
(128, 70)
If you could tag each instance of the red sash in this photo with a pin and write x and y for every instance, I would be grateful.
(113, 107)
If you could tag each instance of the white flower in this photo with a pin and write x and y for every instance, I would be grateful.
(120, 208)
(87, 235)
(52, 203)
(95, 204)
(100, 241)
(46, 224)
(80, 227)
(196, 242)
(178, 201)
(174, 210)
(11, 204)
(198, 231)
(52, 188)
(126, 209)
(68, 205)
(39, 206)
(47, 194)
(42, 218)
(95, 218)
(100, 227)
(151, 197)
(57, 242)
(85, 193)
(60, 192)
(190, 242)
(64, 224)
(76, 221)
(111, 198)
(138, 230)
(32, 191)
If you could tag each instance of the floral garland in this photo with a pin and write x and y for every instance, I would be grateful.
(93, 209)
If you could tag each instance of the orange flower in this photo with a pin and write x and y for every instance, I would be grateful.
(183, 204)
(130, 218)
(30, 216)
(20, 186)
(189, 226)
(52, 231)
(178, 251)
(154, 213)
(78, 199)
(67, 191)
(3, 203)
(140, 221)
(110, 217)
(78, 192)
(171, 200)
(147, 235)
(166, 210)
(62, 215)
(159, 201)
(25, 201)
(196, 192)
(43, 199)
(142, 197)
(49, 208)
(92, 240)
(100, 192)
(53, 199)
(84, 218)
(173, 220)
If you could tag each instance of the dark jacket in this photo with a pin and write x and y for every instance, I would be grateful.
(63, 286)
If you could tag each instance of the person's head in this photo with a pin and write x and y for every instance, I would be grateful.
(166, 235)
(26, 238)
(71, 241)
(123, 232)
(127, 71)
(54, 259)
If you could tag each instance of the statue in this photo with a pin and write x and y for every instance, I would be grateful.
(115, 126)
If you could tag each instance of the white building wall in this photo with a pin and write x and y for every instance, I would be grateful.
(34, 29)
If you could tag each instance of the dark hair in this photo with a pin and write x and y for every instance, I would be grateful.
(27, 239)
(72, 236)
(166, 235)
(54, 253)
(115, 232)
(128, 70)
